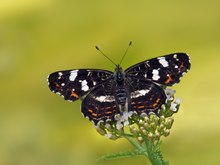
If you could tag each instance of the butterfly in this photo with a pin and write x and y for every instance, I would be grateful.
(105, 94)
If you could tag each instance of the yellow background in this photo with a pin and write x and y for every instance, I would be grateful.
(38, 37)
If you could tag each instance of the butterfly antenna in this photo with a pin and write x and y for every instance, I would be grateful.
(129, 45)
(105, 55)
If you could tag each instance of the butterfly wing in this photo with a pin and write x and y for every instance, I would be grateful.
(165, 70)
(145, 96)
(100, 103)
(73, 84)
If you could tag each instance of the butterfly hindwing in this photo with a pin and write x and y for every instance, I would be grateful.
(146, 97)
(165, 70)
(100, 103)
(73, 84)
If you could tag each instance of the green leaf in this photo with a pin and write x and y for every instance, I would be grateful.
(154, 153)
(120, 155)
(136, 144)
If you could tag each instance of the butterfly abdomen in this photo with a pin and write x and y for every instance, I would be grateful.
(121, 96)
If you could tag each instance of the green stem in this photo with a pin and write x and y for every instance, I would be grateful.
(154, 153)
(139, 147)
(149, 149)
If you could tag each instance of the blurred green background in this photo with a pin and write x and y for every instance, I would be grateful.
(38, 37)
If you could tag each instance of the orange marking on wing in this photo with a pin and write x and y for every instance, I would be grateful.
(57, 85)
(181, 67)
(169, 79)
(141, 106)
(108, 112)
(156, 103)
(90, 110)
(94, 114)
(73, 94)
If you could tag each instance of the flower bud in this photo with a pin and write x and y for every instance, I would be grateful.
(143, 131)
(150, 135)
(141, 122)
(153, 126)
(140, 139)
(161, 126)
(111, 136)
(166, 132)
(147, 126)
(146, 119)
(162, 119)
(134, 130)
(100, 130)
(169, 122)
(109, 127)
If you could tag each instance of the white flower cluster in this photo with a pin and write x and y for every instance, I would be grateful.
(171, 104)
(151, 125)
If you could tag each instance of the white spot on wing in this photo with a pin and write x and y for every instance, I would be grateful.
(89, 74)
(138, 93)
(155, 73)
(144, 91)
(85, 87)
(106, 98)
(60, 73)
(73, 75)
(163, 61)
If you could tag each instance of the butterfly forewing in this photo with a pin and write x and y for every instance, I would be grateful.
(73, 84)
(165, 70)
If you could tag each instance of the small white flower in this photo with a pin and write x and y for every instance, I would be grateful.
(108, 126)
(126, 123)
(119, 125)
(122, 120)
(97, 127)
(117, 117)
(177, 101)
(173, 107)
(100, 130)
(170, 93)
(108, 135)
